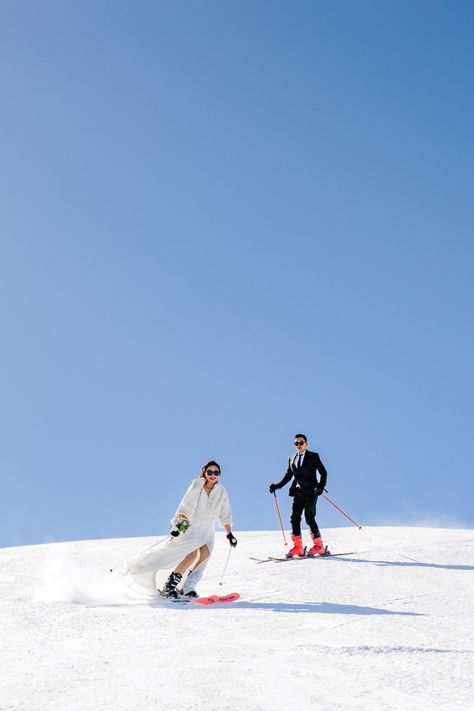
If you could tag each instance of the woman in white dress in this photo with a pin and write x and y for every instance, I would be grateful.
(192, 537)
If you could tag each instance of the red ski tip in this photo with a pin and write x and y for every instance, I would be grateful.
(213, 599)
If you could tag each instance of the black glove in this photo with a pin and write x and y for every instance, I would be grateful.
(319, 491)
(272, 488)
(232, 539)
(174, 532)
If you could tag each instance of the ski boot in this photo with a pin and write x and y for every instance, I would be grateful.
(317, 548)
(192, 594)
(170, 587)
(297, 551)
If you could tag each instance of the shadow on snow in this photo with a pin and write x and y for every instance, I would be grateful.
(412, 564)
(321, 608)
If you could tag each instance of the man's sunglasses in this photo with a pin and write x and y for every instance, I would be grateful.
(300, 443)
(213, 472)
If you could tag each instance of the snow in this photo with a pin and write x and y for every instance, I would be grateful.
(390, 627)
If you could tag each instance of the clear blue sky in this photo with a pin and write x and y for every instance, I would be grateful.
(222, 223)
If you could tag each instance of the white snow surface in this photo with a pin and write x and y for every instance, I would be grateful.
(390, 627)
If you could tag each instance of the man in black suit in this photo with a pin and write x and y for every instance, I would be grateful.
(305, 490)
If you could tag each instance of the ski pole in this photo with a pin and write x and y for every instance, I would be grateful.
(156, 543)
(281, 525)
(225, 566)
(341, 511)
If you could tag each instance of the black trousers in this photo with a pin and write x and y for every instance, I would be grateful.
(308, 505)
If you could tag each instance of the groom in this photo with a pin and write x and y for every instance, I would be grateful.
(305, 490)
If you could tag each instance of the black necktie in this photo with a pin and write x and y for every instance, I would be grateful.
(299, 461)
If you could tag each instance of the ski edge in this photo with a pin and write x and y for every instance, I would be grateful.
(271, 559)
(313, 557)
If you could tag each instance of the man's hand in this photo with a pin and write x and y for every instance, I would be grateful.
(272, 488)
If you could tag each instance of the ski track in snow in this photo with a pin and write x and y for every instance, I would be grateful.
(387, 628)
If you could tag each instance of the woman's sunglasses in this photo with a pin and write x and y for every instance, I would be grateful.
(213, 472)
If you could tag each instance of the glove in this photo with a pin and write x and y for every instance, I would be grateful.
(319, 491)
(272, 488)
(232, 539)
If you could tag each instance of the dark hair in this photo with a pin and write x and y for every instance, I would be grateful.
(302, 437)
(208, 464)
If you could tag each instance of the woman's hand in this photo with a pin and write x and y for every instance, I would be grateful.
(180, 524)
(232, 539)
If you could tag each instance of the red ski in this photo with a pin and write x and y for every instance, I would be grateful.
(213, 599)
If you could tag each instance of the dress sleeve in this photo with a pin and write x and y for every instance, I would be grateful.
(188, 503)
(225, 513)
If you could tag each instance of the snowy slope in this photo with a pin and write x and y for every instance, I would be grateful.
(388, 628)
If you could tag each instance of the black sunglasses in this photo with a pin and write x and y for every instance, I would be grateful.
(300, 443)
(213, 472)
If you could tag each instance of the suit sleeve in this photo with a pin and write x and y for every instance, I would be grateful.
(322, 473)
(288, 476)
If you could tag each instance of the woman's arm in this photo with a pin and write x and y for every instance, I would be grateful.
(225, 513)
(188, 503)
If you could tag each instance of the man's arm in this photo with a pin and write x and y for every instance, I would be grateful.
(288, 476)
(323, 474)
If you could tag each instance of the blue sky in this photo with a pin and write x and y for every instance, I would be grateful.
(221, 224)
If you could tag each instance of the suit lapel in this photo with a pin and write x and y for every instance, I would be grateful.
(295, 457)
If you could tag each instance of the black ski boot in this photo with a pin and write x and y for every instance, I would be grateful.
(170, 587)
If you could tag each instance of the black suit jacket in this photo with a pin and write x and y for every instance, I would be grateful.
(305, 479)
